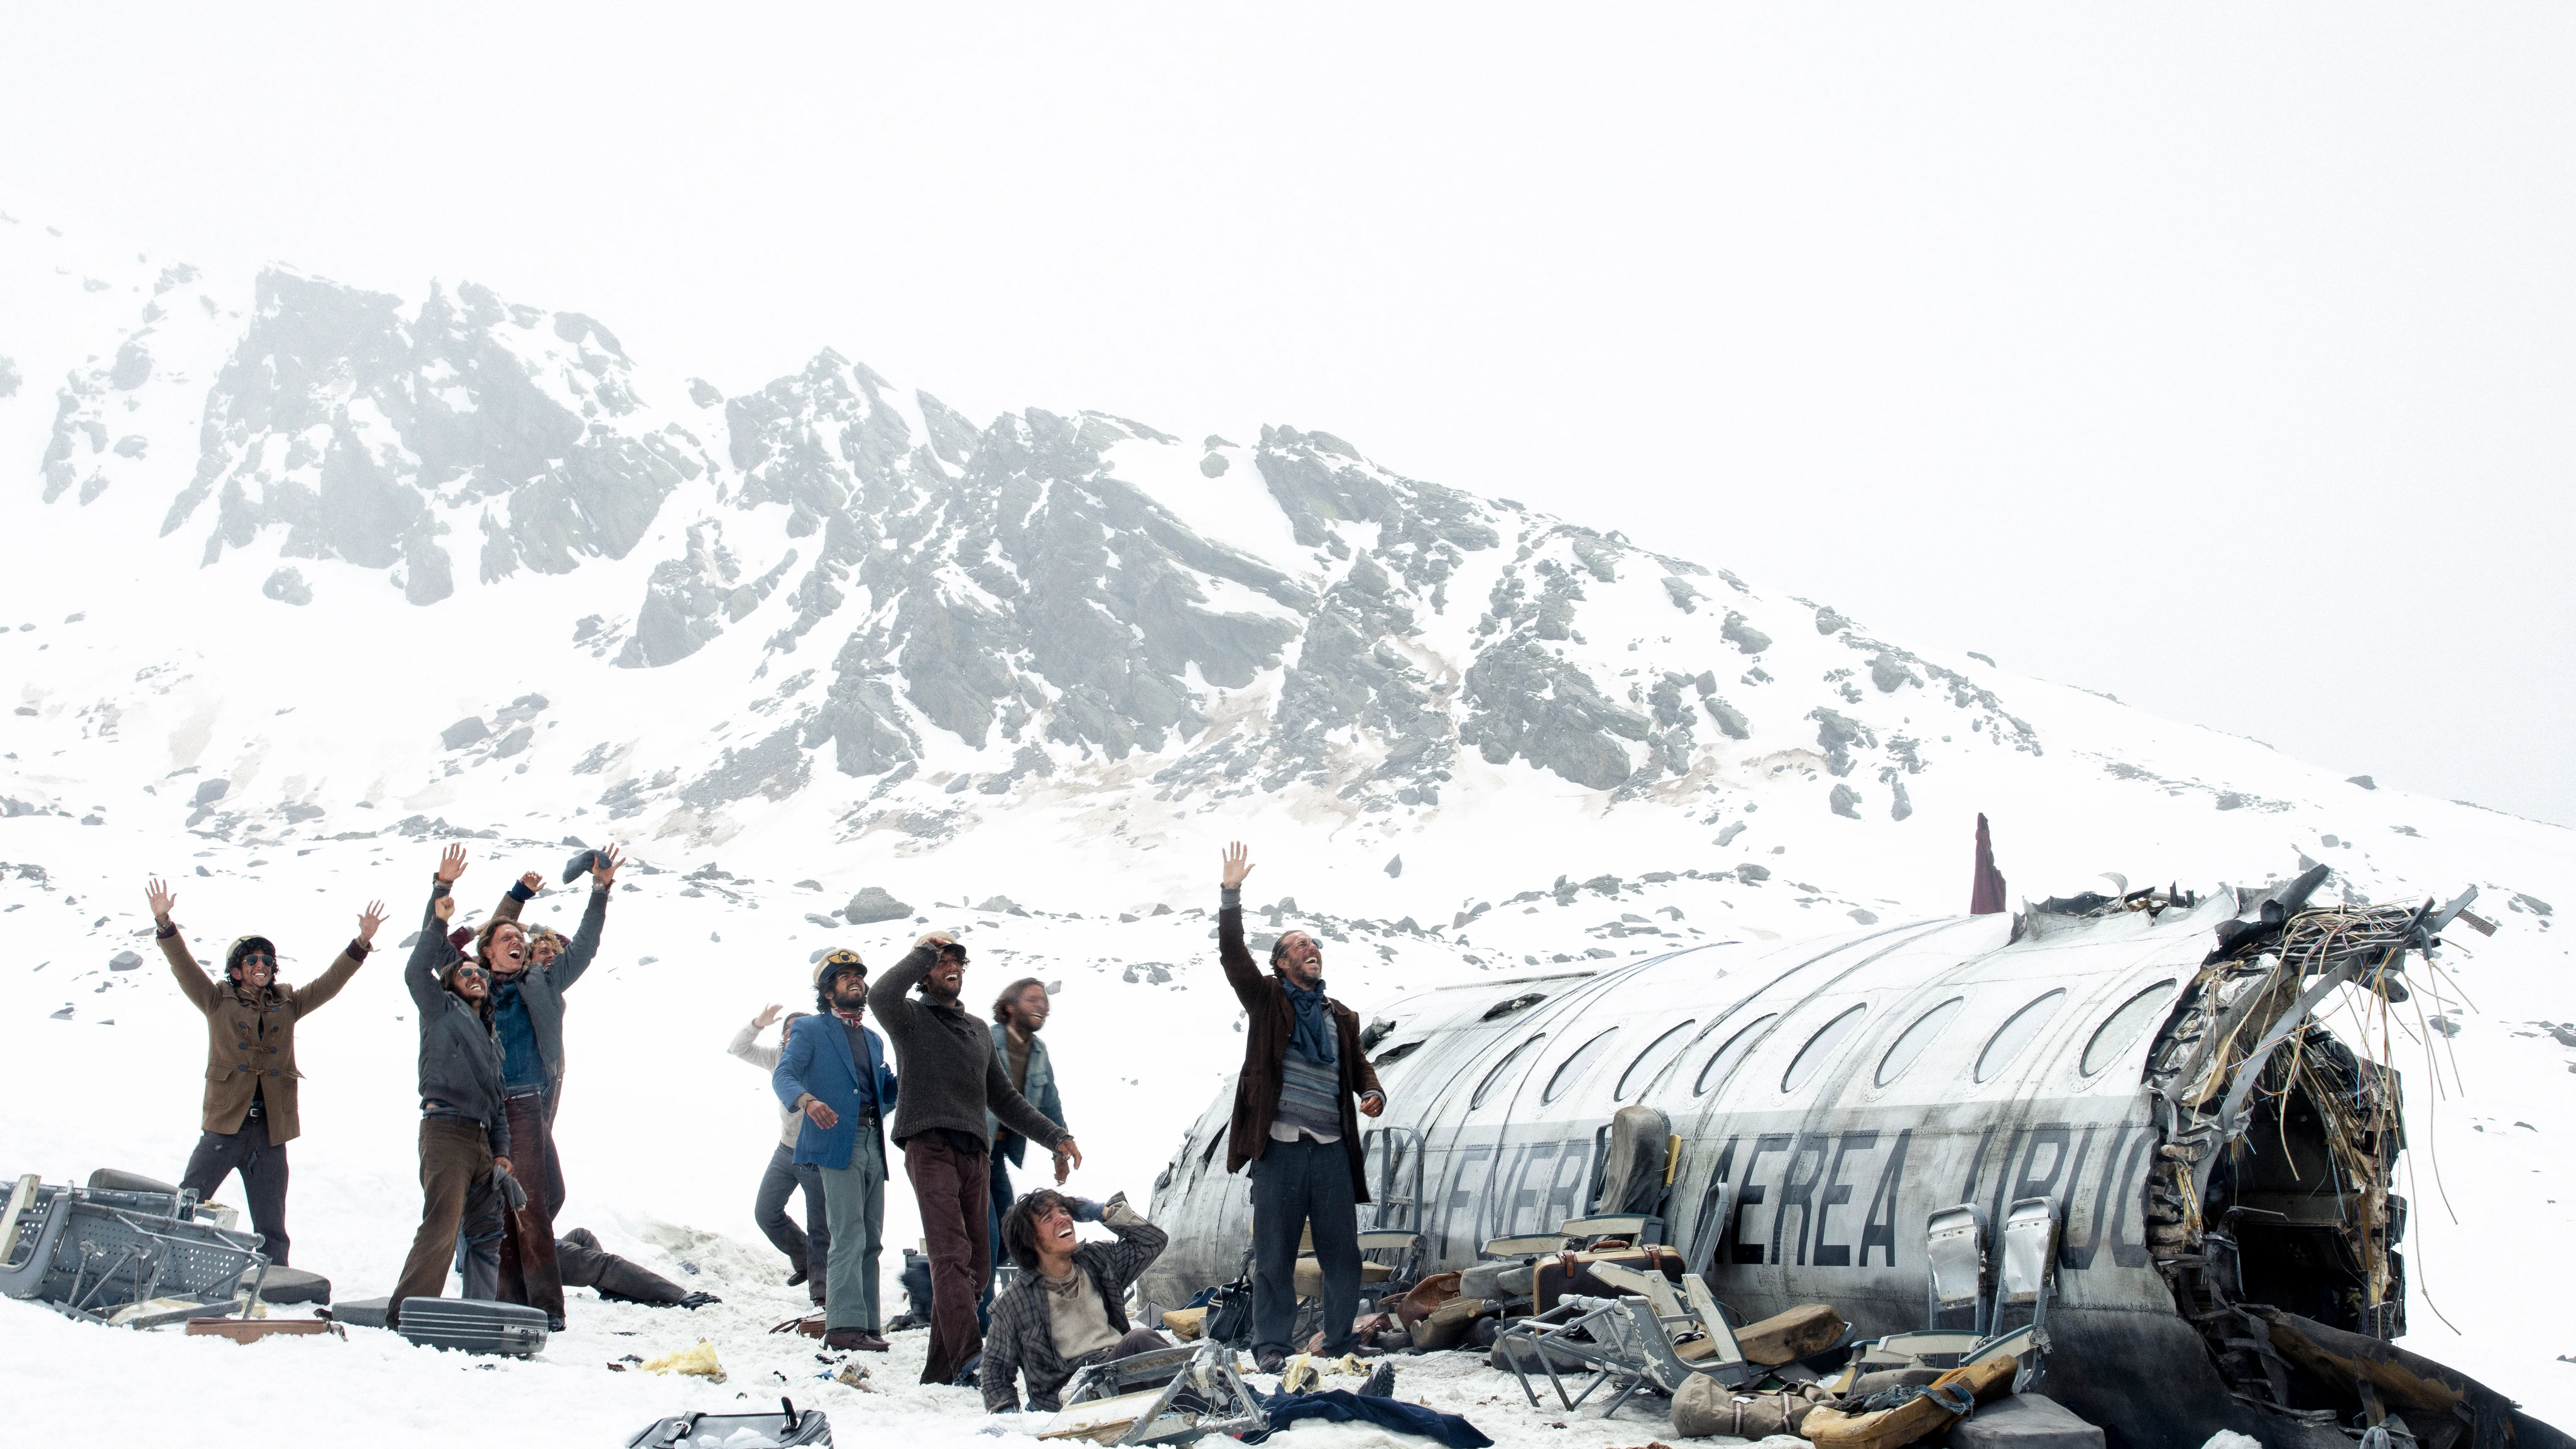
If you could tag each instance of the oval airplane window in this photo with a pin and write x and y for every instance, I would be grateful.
(1651, 1061)
(1916, 1038)
(1571, 1071)
(2016, 1033)
(1518, 1055)
(1820, 1048)
(2112, 1040)
(1723, 1060)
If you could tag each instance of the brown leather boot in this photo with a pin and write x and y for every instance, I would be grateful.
(855, 1338)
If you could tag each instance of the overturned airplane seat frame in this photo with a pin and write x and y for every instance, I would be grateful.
(87, 1252)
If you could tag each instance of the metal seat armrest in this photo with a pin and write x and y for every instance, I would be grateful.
(43, 1234)
(1632, 1226)
(1378, 1240)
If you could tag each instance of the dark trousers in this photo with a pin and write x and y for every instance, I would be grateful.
(527, 1271)
(456, 1193)
(532, 1151)
(808, 1248)
(952, 1188)
(997, 1204)
(263, 1171)
(1294, 1184)
(586, 1264)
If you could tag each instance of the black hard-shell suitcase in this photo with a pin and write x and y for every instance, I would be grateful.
(767, 1431)
(472, 1325)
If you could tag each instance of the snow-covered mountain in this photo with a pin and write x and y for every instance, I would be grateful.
(308, 576)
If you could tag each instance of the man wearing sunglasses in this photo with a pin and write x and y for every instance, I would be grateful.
(249, 1111)
(464, 1124)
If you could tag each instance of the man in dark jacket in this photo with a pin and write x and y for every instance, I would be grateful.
(249, 1112)
(951, 1078)
(1068, 1309)
(1294, 1125)
(464, 1132)
(833, 1070)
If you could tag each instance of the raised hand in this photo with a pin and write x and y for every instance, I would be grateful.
(452, 864)
(767, 1015)
(157, 894)
(367, 923)
(533, 881)
(935, 938)
(603, 868)
(1238, 864)
(444, 908)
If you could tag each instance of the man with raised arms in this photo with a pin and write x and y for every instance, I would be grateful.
(1295, 1126)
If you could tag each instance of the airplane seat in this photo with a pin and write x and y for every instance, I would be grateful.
(1398, 1250)
(1628, 1196)
(1954, 1244)
(2029, 1270)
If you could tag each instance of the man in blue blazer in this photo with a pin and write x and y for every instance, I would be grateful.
(834, 1071)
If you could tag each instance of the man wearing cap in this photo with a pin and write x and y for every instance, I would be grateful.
(249, 1112)
(833, 1070)
(952, 1078)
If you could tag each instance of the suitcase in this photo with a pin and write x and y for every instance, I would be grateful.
(1571, 1272)
(738, 1431)
(473, 1325)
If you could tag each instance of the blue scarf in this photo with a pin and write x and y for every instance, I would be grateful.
(1314, 1039)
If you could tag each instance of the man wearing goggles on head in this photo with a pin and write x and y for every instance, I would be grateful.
(249, 1114)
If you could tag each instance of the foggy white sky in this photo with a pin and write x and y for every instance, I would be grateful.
(2215, 358)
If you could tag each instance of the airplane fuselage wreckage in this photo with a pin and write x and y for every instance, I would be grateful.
(2125, 1117)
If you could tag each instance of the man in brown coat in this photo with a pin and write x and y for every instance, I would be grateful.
(1294, 1126)
(249, 1112)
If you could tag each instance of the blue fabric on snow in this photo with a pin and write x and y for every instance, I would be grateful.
(1314, 1037)
(1341, 1406)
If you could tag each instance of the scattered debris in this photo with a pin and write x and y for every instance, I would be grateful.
(698, 1360)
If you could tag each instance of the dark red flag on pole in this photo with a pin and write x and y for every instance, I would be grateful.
(1986, 895)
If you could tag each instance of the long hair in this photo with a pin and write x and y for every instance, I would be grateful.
(447, 980)
(1020, 1226)
(1011, 993)
(484, 933)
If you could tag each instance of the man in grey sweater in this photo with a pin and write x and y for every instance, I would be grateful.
(951, 1078)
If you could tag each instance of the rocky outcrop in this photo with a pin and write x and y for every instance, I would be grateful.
(987, 610)
(873, 904)
(357, 433)
(1527, 703)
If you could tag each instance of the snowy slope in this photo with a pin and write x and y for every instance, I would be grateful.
(282, 540)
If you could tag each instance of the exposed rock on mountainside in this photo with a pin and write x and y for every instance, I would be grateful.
(906, 619)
